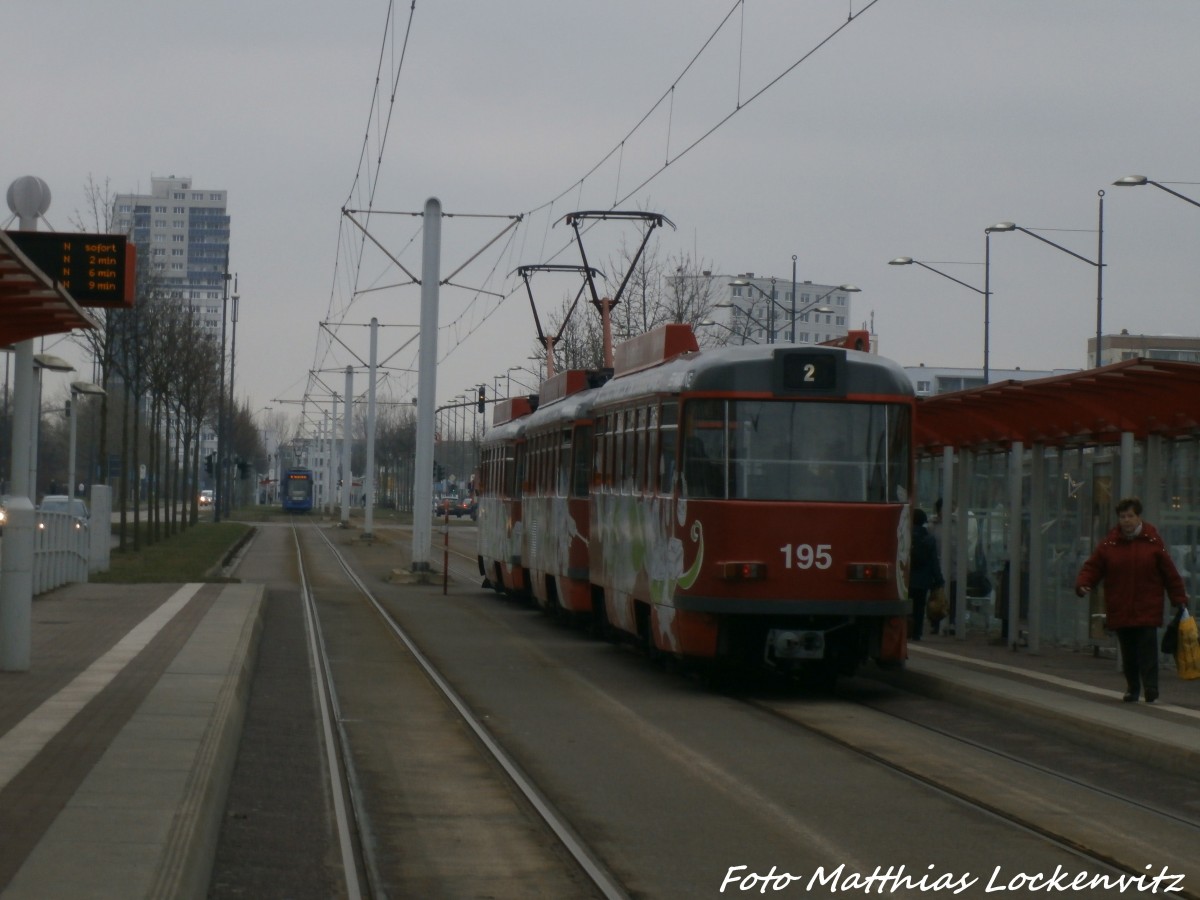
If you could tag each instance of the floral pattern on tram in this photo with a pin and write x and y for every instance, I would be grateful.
(552, 530)
(903, 549)
(644, 559)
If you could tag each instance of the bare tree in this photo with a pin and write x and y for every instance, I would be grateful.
(678, 291)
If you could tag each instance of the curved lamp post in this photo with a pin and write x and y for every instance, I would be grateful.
(815, 306)
(1098, 262)
(77, 388)
(707, 323)
(986, 292)
(1139, 180)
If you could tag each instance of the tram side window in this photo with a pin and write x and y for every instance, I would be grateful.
(629, 468)
(508, 486)
(582, 448)
(564, 464)
(639, 451)
(651, 449)
(598, 455)
(667, 441)
(610, 459)
(704, 449)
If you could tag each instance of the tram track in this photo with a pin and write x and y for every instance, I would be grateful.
(1100, 827)
(605, 883)
(1105, 831)
(1053, 799)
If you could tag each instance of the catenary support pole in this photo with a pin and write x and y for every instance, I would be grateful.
(426, 388)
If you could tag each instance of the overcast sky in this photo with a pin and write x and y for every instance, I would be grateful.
(917, 124)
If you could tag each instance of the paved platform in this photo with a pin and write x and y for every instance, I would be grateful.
(116, 748)
(1076, 694)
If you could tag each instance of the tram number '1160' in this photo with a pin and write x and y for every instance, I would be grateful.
(806, 556)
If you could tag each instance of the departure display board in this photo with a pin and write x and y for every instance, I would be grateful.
(95, 269)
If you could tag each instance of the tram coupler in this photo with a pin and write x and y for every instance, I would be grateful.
(788, 643)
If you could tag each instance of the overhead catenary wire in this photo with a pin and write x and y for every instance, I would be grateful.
(487, 302)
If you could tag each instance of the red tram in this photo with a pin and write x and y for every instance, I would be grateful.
(502, 466)
(745, 504)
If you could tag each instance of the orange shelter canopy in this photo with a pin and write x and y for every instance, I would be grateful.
(1141, 396)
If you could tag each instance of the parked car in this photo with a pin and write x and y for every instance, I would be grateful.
(61, 503)
(452, 505)
(465, 506)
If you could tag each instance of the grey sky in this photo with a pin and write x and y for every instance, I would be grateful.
(918, 125)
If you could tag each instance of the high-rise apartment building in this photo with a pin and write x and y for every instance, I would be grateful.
(756, 309)
(182, 234)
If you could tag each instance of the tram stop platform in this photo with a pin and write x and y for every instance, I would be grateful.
(1076, 694)
(117, 747)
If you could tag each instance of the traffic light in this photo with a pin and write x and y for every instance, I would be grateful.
(482, 401)
(208, 463)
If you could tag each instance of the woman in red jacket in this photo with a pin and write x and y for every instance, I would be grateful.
(1136, 569)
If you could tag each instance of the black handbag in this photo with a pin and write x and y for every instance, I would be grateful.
(1170, 638)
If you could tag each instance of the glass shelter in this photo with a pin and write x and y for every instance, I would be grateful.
(1038, 467)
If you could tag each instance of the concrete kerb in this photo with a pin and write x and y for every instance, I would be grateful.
(1139, 734)
(146, 820)
(231, 554)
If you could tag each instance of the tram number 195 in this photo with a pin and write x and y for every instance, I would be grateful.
(807, 556)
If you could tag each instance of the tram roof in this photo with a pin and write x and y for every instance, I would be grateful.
(31, 303)
(1141, 396)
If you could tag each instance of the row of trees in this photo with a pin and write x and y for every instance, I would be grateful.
(161, 371)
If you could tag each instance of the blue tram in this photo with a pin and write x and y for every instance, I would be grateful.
(297, 490)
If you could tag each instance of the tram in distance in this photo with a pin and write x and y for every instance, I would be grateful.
(297, 490)
(742, 505)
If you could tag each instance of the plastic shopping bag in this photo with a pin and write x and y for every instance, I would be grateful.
(1187, 652)
(935, 608)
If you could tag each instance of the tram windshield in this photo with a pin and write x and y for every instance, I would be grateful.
(785, 450)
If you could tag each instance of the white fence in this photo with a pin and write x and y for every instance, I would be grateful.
(66, 550)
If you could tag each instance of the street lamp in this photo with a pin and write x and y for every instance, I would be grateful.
(770, 329)
(986, 292)
(77, 388)
(1139, 180)
(729, 304)
(815, 306)
(51, 363)
(1098, 262)
(707, 323)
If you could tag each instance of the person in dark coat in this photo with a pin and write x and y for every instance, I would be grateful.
(1133, 563)
(924, 571)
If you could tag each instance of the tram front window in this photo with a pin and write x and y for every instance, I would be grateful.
(788, 450)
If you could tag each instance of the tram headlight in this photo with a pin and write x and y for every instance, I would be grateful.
(871, 572)
(743, 571)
